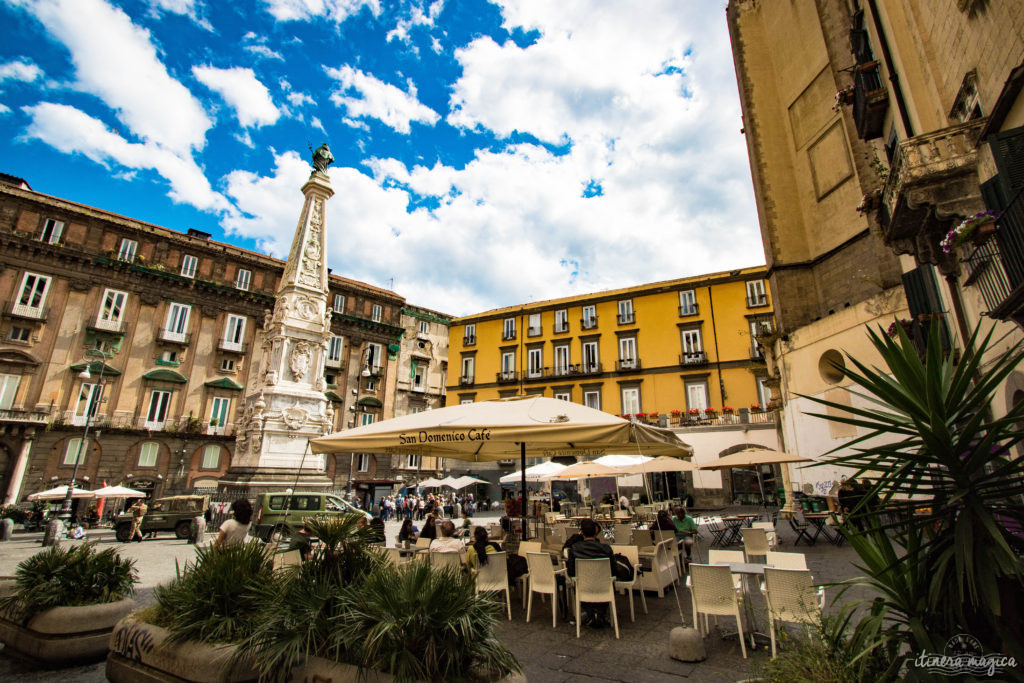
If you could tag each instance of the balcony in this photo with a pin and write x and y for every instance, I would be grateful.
(232, 346)
(374, 369)
(533, 332)
(537, 373)
(932, 181)
(870, 101)
(36, 417)
(591, 369)
(759, 301)
(333, 362)
(996, 266)
(687, 311)
(469, 341)
(508, 335)
(507, 376)
(627, 318)
(627, 365)
(111, 326)
(693, 359)
(16, 310)
(588, 323)
(565, 370)
(173, 337)
(466, 380)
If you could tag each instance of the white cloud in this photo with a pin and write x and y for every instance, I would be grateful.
(242, 91)
(116, 61)
(20, 70)
(257, 45)
(304, 10)
(4, 109)
(71, 130)
(417, 17)
(297, 99)
(364, 96)
(188, 8)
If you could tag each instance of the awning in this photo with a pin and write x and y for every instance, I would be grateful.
(94, 368)
(223, 383)
(165, 375)
(331, 396)
(370, 402)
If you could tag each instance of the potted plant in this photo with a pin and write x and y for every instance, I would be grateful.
(709, 412)
(755, 407)
(978, 228)
(869, 202)
(843, 96)
(63, 603)
(726, 410)
(640, 417)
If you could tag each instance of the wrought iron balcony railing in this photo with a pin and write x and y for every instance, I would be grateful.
(996, 267)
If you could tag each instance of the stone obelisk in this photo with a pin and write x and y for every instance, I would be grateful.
(285, 405)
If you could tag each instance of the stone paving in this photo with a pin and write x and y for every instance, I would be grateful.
(547, 654)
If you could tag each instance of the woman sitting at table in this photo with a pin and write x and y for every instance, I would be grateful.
(663, 522)
(407, 532)
(429, 527)
(476, 553)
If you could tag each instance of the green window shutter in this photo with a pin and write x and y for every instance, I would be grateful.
(412, 370)
(1008, 151)
(922, 296)
(993, 194)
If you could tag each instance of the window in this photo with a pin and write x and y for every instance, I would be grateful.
(367, 419)
(468, 370)
(219, 408)
(339, 303)
(469, 337)
(424, 327)
(363, 462)
(211, 457)
(334, 351)
(591, 362)
(112, 310)
(377, 312)
(756, 294)
(188, 265)
(242, 279)
(234, 333)
(758, 327)
(176, 328)
(508, 365)
(626, 312)
(373, 357)
(74, 451)
(562, 320)
(148, 453)
(87, 405)
(534, 325)
(20, 334)
(157, 414)
(764, 394)
(419, 376)
(413, 462)
(534, 362)
(169, 356)
(592, 399)
(693, 348)
(697, 396)
(31, 295)
(8, 390)
(509, 329)
(688, 302)
(562, 360)
(589, 320)
(371, 385)
(562, 396)
(52, 230)
(127, 251)
(227, 365)
(630, 400)
(465, 401)
(627, 353)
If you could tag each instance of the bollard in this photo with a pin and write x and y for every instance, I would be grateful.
(54, 530)
(6, 529)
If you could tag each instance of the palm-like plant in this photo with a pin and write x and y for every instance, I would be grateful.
(929, 434)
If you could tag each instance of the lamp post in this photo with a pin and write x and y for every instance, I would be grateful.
(65, 511)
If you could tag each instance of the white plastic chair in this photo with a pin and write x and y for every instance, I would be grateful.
(523, 582)
(755, 543)
(631, 553)
(623, 534)
(663, 569)
(791, 596)
(393, 556)
(773, 537)
(289, 558)
(594, 583)
(543, 581)
(713, 593)
(641, 538)
(493, 576)
(786, 560)
(438, 559)
(716, 556)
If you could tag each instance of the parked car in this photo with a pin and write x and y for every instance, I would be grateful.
(271, 516)
(173, 513)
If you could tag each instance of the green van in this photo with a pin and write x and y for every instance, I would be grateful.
(271, 515)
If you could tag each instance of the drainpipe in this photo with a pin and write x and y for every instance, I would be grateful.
(894, 78)
(714, 335)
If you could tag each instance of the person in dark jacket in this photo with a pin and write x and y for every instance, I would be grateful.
(594, 614)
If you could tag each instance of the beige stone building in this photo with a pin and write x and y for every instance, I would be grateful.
(178, 320)
(873, 128)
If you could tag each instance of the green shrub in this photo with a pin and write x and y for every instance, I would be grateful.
(214, 599)
(72, 576)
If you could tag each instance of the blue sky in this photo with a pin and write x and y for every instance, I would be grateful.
(486, 154)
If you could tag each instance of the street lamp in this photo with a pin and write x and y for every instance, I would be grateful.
(65, 511)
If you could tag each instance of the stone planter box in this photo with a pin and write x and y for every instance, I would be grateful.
(64, 636)
(139, 652)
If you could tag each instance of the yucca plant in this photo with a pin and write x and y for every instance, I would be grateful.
(214, 598)
(69, 576)
(928, 433)
(423, 624)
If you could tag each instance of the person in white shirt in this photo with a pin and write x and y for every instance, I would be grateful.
(447, 543)
(235, 530)
(623, 502)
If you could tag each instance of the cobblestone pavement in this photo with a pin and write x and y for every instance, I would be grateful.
(547, 654)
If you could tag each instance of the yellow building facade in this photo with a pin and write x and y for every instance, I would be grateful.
(670, 352)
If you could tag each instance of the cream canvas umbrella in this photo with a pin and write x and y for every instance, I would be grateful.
(535, 473)
(754, 457)
(429, 483)
(585, 470)
(59, 493)
(464, 481)
(117, 492)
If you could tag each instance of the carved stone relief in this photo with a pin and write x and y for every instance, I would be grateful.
(299, 360)
(294, 417)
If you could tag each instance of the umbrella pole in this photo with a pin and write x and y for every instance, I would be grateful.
(522, 470)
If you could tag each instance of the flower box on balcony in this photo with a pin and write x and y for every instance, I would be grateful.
(977, 229)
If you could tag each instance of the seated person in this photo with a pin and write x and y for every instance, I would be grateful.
(476, 553)
(662, 522)
(594, 614)
(447, 543)
(408, 532)
(429, 527)
(377, 525)
(686, 530)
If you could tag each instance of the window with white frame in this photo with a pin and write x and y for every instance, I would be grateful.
(74, 451)
(469, 336)
(8, 390)
(335, 347)
(591, 360)
(630, 400)
(363, 462)
(424, 327)
(148, 453)
(376, 313)
(112, 310)
(759, 327)
(219, 408)
(419, 375)
(414, 462)
(87, 405)
(127, 250)
(589, 317)
(227, 365)
(592, 399)
(562, 395)
(534, 362)
(211, 457)
(374, 359)
(367, 419)
(243, 279)
(371, 385)
(693, 346)
(764, 394)
(468, 370)
(19, 334)
(234, 333)
(697, 396)
(188, 265)
(688, 302)
(561, 365)
(176, 327)
(31, 295)
(534, 329)
(339, 303)
(159, 403)
(508, 364)
(627, 353)
(51, 232)
(508, 330)
(562, 320)
(465, 401)
(169, 356)
(757, 295)
(625, 311)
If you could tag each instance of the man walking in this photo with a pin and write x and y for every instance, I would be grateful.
(138, 510)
